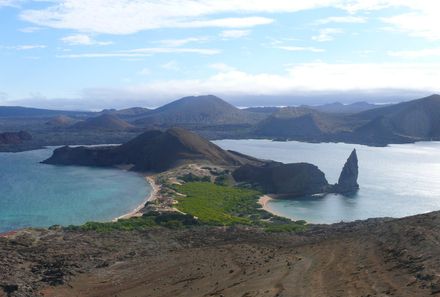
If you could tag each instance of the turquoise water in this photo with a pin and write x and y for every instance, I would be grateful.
(40, 195)
(395, 181)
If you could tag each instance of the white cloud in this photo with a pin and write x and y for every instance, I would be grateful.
(342, 19)
(144, 71)
(142, 52)
(429, 52)
(24, 47)
(229, 81)
(222, 67)
(127, 16)
(425, 24)
(300, 49)
(10, 2)
(327, 34)
(171, 65)
(181, 42)
(233, 34)
(83, 39)
(243, 22)
(30, 29)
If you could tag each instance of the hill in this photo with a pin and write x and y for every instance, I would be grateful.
(301, 123)
(18, 111)
(60, 121)
(199, 111)
(338, 107)
(103, 122)
(7, 138)
(129, 114)
(263, 109)
(405, 122)
(151, 151)
(416, 119)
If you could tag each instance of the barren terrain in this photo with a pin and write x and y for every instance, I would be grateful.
(377, 257)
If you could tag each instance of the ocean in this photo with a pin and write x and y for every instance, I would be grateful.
(40, 195)
(395, 181)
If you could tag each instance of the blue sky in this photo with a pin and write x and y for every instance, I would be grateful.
(92, 54)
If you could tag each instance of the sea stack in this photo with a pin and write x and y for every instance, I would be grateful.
(347, 182)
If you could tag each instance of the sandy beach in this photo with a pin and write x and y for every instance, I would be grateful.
(263, 201)
(151, 197)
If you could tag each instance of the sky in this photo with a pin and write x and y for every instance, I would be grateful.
(94, 54)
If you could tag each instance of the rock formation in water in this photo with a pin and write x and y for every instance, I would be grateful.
(347, 182)
(297, 179)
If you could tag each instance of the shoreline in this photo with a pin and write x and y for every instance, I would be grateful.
(151, 197)
(264, 201)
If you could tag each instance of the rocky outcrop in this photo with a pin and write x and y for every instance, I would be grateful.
(347, 182)
(295, 179)
(14, 137)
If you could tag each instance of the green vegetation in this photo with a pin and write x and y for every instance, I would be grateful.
(217, 205)
(205, 203)
(194, 178)
(169, 220)
(223, 206)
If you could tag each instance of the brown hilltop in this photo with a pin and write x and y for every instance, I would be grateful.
(152, 151)
(103, 122)
(60, 121)
(198, 111)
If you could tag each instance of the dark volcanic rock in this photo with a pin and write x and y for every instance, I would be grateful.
(14, 137)
(296, 179)
(151, 151)
(347, 182)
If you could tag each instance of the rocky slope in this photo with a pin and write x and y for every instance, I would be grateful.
(151, 151)
(377, 257)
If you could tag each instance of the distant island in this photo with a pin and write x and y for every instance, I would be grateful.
(213, 118)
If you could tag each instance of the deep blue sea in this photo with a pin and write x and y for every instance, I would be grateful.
(395, 181)
(40, 195)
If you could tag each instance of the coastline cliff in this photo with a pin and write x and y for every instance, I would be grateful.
(298, 179)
